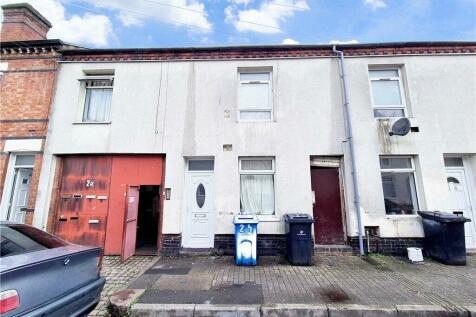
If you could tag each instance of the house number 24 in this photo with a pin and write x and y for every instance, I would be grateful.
(89, 183)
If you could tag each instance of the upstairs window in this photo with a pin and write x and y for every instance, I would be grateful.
(257, 186)
(399, 189)
(97, 98)
(387, 92)
(255, 96)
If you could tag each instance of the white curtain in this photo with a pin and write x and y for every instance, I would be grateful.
(257, 194)
(98, 105)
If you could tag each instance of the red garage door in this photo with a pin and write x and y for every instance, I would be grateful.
(84, 199)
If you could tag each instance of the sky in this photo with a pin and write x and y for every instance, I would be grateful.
(179, 23)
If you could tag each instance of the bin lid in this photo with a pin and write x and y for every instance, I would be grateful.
(245, 219)
(442, 216)
(298, 218)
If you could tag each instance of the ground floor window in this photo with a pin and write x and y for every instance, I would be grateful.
(257, 186)
(399, 189)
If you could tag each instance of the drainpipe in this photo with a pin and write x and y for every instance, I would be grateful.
(350, 140)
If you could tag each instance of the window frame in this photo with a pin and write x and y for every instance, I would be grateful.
(270, 94)
(9, 179)
(401, 87)
(462, 166)
(412, 170)
(200, 159)
(84, 93)
(272, 172)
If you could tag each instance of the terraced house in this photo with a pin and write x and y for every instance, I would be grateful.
(27, 77)
(155, 150)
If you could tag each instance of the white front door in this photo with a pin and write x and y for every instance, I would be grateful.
(20, 193)
(200, 213)
(461, 203)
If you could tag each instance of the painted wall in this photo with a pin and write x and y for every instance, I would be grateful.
(188, 109)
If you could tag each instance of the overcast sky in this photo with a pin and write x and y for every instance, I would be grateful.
(172, 23)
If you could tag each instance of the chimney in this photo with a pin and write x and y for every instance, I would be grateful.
(21, 22)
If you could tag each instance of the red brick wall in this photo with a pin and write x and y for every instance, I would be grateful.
(21, 23)
(26, 89)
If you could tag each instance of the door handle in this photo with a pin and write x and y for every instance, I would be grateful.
(313, 197)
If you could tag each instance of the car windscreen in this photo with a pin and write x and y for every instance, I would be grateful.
(17, 239)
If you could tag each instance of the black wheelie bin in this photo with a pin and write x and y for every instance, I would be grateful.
(444, 237)
(299, 245)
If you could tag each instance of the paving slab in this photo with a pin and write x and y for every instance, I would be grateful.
(381, 281)
(144, 281)
(192, 282)
(247, 293)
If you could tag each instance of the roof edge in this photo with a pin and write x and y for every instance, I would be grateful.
(40, 43)
(96, 51)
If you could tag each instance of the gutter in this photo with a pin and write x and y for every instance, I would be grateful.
(266, 48)
(350, 140)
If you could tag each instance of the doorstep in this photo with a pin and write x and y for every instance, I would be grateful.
(197, 252)
(336, 249)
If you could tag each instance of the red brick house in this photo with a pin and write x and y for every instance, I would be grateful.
(27, 79)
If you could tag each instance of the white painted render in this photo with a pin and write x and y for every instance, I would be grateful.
(188, 109)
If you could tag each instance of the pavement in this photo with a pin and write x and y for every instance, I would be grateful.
(333, 286)
(118, 276)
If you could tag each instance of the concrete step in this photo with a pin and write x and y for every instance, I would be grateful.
(333, 249)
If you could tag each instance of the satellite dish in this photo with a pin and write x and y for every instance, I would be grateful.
(400, 127)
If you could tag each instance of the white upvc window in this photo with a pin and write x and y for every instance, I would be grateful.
(388, 97)
(257, 185)
(255, 96)
(399, 186)
(97, 98)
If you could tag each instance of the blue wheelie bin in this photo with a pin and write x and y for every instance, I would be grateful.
(246, 236)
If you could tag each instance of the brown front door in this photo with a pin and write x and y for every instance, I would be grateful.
(328, 225)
